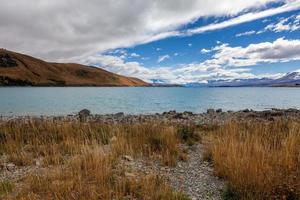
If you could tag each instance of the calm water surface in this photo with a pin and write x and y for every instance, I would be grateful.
(69, 100)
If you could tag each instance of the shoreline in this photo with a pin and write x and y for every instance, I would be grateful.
(211, 116)
(186, 153)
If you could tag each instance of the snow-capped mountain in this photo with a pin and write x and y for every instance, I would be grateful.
(289, 79)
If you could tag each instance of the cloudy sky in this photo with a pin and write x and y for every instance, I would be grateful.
(173, 41)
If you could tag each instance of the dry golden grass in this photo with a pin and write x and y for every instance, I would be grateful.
(95, 176)
(81, 159)
(260, 160)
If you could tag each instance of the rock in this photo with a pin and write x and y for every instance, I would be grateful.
(7, 61)
(129, 175)
(113, 139)
(127, 158)
(188, 113)
(106, 148)
(10, 166)
(246, 110)
(210, 111)
(38, 163)
(119, 114)
(219, 110)
(84, 112)
(178, 116)
(171, 112)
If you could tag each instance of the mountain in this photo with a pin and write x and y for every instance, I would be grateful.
(291, 79)
(240, 82)
(22, 70)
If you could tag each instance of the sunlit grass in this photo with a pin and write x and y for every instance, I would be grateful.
(260, 160)
(83, 159)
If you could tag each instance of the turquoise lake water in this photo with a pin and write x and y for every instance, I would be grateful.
(130, 100)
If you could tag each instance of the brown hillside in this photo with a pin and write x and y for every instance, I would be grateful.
(21, 70)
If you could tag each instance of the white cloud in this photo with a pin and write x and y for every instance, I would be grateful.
(62, 29)
(285, 24)
(291, 5)
(135, 55)
(247, 33)
(280, 50)
(162, 58)
(135, 69)
(226, 63)
(227, 58)
(204, 51)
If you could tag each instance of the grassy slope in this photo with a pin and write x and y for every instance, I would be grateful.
(32, 71)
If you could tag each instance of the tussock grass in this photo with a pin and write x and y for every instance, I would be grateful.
(23, 143)
(5, 188)
(82, 159)
(260, 160)
(95, 176)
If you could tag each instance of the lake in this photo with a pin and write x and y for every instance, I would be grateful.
(141, 100)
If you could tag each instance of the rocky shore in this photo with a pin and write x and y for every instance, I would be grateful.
(212, 116)
(193, 176)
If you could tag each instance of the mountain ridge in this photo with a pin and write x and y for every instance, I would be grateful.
(18, 69)
(291, 79)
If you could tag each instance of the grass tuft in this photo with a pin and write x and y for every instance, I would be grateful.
(6, 187)
(81, 159)
(260, 160)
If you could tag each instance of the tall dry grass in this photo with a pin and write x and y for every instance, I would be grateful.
(25, 142)
(95, 176)
(260, 160)
(81, 160)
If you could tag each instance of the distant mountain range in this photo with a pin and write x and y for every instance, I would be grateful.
(22, 70)
(291, 79)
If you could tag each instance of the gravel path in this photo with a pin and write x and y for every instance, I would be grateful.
(195, 177)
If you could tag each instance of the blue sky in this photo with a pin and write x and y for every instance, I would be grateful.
(181, 51)
(172, 41)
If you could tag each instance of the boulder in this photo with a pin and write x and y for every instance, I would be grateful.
(119, 114)
(171, 112)
(83, 114)
(188, 113)
(246, 110)
(219, 110)
(210, 111)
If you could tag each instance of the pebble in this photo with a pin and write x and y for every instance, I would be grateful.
(10, 167)
(127, 158)
(211, 116)
(194, 177)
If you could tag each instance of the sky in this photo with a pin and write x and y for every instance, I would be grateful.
(170, 41)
